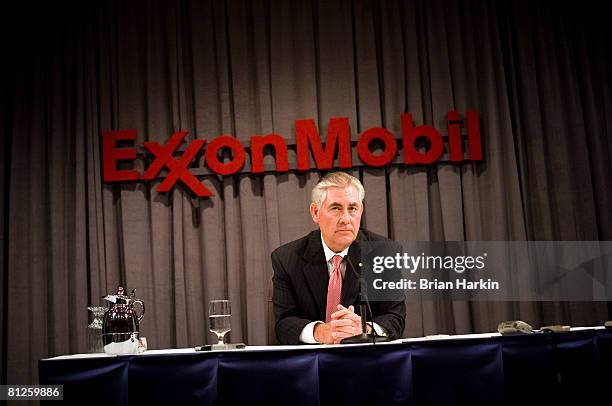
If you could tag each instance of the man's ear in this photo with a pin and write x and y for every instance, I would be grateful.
(314, 212)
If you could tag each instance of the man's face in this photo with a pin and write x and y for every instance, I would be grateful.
(338, 217)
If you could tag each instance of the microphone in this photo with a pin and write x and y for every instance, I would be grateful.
(363, 302)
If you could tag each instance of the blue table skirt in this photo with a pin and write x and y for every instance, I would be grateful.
(530, 369)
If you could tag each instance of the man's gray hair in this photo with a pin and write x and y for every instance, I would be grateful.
(335, 179)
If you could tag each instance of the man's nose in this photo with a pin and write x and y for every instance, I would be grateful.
(344, 217)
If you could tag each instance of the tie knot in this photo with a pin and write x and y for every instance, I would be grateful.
(336, 261)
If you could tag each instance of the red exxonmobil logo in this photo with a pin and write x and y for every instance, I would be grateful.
(336, 151)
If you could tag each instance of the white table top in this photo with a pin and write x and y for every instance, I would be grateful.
(252, 348)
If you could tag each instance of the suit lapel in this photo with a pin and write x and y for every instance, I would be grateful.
(315, 271)
(350, 284)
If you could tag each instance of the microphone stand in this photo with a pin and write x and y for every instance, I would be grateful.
(363, 302)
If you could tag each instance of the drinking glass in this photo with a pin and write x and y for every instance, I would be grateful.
(94, 330)
(219, 314)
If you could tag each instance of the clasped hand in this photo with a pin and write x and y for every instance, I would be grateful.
(344, 323)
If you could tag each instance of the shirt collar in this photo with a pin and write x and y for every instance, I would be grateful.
(329, 254)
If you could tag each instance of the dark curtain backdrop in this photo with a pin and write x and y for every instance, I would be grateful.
(539, 73)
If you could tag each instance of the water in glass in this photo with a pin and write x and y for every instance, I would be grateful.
(219, 314)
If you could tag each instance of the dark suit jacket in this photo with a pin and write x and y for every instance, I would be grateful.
(300, 287)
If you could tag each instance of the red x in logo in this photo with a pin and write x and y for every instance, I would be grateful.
(177, 167)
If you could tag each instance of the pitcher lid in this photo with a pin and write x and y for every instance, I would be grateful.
(120, 297)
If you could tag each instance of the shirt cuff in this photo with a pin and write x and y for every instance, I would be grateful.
(381, 331)
(307, 334)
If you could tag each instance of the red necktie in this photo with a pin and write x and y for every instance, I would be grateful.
(334, 290)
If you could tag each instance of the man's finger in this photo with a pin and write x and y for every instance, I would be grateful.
(345, 322)
(341, 322)
(339, 335)
(340, 313)
(351, 330)
(351, 316)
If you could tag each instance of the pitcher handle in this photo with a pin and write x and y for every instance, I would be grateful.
(143, 308)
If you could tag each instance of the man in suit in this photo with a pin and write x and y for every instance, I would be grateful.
(316, 287)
